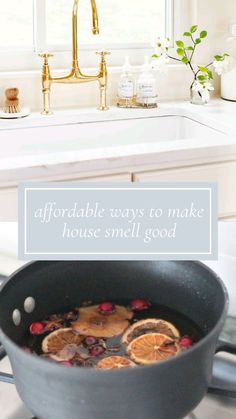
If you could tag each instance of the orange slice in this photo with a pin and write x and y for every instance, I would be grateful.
(92, 323)
(143, 327)
(61, 344)
(112, 362)
(152, 347)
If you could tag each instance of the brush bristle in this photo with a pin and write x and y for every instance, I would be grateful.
(12, 109)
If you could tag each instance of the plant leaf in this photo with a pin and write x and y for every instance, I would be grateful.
(203, 69)
(203, 34)
(185, 60)
(180, 51)
(180, 44)
(198, 41)
(201, 77)
(189, 48)
(193, 28)
(187, 33)
(155, 56)
(221, 57)
(210, 75)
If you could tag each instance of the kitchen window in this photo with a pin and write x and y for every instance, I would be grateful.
(122, 23)
(16, 24)
(30, 26)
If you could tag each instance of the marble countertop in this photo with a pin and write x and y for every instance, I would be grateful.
(218, 114)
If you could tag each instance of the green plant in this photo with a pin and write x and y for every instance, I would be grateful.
(185, 53)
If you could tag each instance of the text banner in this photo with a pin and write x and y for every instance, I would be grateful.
(128, 221)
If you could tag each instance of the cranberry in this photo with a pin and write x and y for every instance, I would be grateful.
(66, 363)
(139, 304)
(186, 342)
(36, 328)
(96, 350)
(107, 308)
(90, 341)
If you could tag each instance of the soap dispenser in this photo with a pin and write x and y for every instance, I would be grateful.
(228, 78)
(126, 87)
(146, 87)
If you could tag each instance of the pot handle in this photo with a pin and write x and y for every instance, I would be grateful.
(224, 372)
(4, 377)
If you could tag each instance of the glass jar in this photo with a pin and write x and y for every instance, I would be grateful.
(196, 98)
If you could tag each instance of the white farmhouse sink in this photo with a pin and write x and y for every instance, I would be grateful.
(101, 134)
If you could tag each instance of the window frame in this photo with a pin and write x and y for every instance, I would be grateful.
(178, 15)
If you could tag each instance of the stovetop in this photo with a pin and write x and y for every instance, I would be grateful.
(11, 407)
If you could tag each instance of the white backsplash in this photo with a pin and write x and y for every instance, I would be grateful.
(225, 267)
(174, 84)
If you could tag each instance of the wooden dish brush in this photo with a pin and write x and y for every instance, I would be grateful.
(12, 103)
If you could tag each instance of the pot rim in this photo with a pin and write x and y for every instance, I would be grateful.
(93, 372)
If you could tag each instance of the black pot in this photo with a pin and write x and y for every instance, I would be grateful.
(166, 390)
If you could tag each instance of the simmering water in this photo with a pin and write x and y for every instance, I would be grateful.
(90, 333)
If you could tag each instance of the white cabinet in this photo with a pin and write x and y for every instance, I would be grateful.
(9, 196)
(8, 204)
(222, 173)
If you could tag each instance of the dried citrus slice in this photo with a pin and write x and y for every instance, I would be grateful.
(119, 313)
(92, 322)
(152, 347)
(62, 341)
(112, 362)
(143, 327)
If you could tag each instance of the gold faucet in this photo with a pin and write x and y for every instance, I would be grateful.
(75, 75)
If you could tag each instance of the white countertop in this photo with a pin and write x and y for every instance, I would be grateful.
(217, 111)
(218, 114)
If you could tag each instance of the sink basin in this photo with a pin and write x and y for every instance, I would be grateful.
(104, 134)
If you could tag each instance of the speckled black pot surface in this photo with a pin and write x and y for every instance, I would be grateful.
(166, 390)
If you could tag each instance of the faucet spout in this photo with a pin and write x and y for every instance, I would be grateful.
(75, 74)
(95, 17)
(95, 29)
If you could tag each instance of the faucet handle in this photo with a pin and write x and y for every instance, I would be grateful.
(103, 54)
(45, 56)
